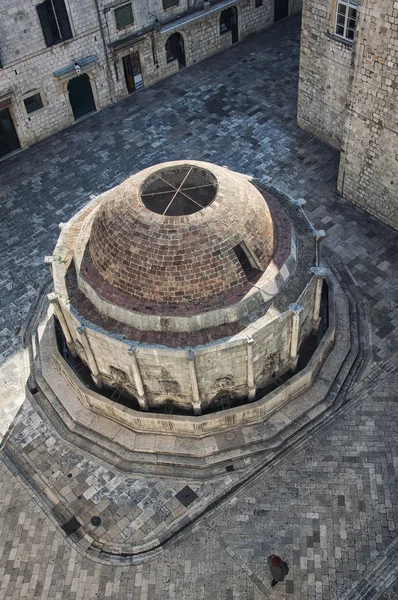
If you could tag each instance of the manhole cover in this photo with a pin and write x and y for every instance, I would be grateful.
(230, 436)
(186, 496)
(95, 521)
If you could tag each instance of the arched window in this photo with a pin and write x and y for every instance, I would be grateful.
(229, 22)
(175, 49)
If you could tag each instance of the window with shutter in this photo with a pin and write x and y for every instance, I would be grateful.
(63, 19)
(54, 21)
(124, 16)
(169, 3)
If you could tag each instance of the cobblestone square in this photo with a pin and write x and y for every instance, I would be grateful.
(329, 505)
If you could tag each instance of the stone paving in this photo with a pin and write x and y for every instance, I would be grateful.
(331, 507)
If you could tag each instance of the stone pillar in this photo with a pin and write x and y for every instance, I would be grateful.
(53, 298)
(135, 369)
(197, 407)
(320, 273)
(319, 235)
(295, 309)
(92, 363)
(49, 260)
(251, 386)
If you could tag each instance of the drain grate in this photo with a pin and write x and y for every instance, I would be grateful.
(71, 526)
(186, 496)
(96, 521)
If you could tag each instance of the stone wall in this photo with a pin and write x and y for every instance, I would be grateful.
(348, 97)
(295, 7)
(221, 368)
(369, 159)
(271, 348)
(250, 413)
(307, 301)
(325, 68)
(29, 65)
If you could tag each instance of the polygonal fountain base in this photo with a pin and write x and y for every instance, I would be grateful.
(87, 469)
(190, 446)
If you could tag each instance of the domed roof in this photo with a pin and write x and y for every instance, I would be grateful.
(181, 233)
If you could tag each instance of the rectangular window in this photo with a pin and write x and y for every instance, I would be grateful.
(54, 21)
(258, 3)
(33, 103)
(346, 17)
(124, 16)
(169, 3)
(246, 261)
(243, 259)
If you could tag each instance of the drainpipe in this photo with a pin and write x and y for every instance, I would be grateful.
(108, 66)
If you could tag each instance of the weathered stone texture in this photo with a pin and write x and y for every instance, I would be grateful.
(28, 65)
(271, 348)
(369, 161)
(348, 97)
(324, 74)
(306, 301)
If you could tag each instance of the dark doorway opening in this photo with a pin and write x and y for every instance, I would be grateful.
(81, 96)
(281, 10)
(175, 50)
(229, 22)
(8, 136)
(132, 72)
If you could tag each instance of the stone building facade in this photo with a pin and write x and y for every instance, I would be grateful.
(348, 95)
(63, 59)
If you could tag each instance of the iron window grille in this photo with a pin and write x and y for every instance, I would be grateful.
(33, 103)
(54, 21)
(178, 191)
(124, 16)
(169, 3)
(346, 18)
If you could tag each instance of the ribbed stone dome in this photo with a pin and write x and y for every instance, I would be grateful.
(181, 233)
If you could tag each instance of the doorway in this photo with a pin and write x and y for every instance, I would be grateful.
(281, 10)
(229, 22)
(81, 96)
(132, 72)
(175, 50)
(8, 136)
